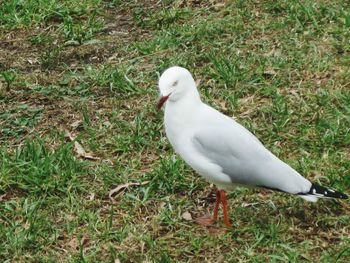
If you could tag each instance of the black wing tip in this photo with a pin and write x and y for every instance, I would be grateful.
(316, 190)
(324, 192)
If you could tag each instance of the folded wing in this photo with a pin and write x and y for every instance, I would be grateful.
(245, 160)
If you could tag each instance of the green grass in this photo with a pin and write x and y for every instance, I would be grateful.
(91, 68)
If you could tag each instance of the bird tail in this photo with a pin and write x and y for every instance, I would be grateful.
(316, 191)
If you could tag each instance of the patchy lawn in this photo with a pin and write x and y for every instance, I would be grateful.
(78, 88)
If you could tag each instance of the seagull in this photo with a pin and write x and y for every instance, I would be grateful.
(223, 151)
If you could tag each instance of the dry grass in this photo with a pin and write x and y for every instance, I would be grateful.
(91, 68)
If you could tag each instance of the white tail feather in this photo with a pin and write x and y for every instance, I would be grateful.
(310, 198)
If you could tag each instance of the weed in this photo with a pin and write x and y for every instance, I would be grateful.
(9, 76)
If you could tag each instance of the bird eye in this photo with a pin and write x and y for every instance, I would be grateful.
(175, 83)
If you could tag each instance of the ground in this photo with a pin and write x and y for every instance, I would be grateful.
(78, 89)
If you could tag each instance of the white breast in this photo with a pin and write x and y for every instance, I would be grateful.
(179, 130)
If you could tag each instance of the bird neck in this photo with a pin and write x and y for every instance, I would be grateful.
(185, 101)
(180, 115)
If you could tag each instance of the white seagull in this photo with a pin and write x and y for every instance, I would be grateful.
(223, 151)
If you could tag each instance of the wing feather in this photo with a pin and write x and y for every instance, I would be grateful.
(245, 160)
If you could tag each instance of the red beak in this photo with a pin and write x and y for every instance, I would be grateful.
(161, 101)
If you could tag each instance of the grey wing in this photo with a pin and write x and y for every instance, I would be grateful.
(246, 161)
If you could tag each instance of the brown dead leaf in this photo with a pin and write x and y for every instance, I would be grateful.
(187, 216)
(70, 217)
(73, 243)
(107, 124)
(161, 205)
(33, 61)
(247, 99)
(76, 124)
(270, 71)
(82, 153)
(78, 148)
(68, 135)
(249, 204)
(92, 197)
(247, 112)
(26, 225)
(123, 187)
(273, 52)
(2, 197)
(113, 57)
(222, 104)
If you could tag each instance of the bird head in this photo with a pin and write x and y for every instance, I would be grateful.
(174, 83)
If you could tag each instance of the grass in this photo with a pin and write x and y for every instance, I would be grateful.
(91, 68)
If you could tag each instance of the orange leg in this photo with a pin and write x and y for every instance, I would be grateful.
(205, 220)
(225, 209)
